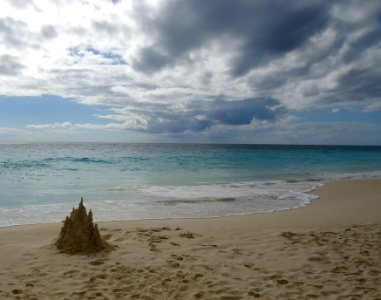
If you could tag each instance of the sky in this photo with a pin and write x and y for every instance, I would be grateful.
(216, 71)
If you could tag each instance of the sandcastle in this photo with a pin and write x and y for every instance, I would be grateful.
(79, 235)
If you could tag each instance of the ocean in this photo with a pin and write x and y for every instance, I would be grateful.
(40, 183)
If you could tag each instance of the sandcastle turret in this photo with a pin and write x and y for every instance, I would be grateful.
(79, 235)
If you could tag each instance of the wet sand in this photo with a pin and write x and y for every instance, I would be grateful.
(327, 250)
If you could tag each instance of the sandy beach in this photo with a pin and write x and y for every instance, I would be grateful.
(330, 249)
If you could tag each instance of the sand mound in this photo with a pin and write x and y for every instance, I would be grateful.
(79, 235)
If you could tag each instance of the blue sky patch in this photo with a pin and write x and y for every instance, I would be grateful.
(21, 111)
(326, 115)
(115, 58)
(75, 52)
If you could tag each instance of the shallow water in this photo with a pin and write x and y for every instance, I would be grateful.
(41, 182)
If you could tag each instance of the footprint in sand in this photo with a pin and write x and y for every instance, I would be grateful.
(70, 273)
(177, 257)
(97, 262)
(158, 239)
(230, 298)
(80, 293)
(188, 235)
(160, 229)
(174, 264)
(254, 294)
(152, 247)
(99, 294)
(197, 276)
(282, 281)
(102, 276)
(209, 245)
(17, 292)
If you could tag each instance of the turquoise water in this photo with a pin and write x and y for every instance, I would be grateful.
(41, 182)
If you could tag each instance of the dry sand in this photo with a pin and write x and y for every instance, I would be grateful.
(328, 250)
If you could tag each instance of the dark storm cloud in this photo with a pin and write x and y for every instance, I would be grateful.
(9, 65)
(364, 42)
(263, 29)
(352, 46)
(361, 82)
(282, 30)
(151, 60)
(199, 116)
(323, 36)
(175, 124)
(359, 85)
(244, 111)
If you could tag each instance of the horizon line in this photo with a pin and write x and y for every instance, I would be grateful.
(191, 143)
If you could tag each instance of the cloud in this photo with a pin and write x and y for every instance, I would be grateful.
(14, 135)
(183, 67)
(329, 133)
(9, 65)
(20, 4)
(13, 32)
(193, 118)
(9, 131)
(376, 106)
(290, 130)
(244, 111)
(300, 53)
(199, 117)
(64, 125)
(78, 126)
(260, 32)
(150, 60)
(286, 131)
(48, 32)
(360, 84)
(106, 27)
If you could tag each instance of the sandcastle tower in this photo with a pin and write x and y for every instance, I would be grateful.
(79, 235)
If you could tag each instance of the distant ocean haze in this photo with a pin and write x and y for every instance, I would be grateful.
(41, 182)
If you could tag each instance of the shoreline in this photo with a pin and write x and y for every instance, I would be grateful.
(318, 191)
(305, 216)
(328, 249)
(55, 212)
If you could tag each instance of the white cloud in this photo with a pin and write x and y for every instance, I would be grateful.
(376, 106)
(128, 123)
(12, 131)
(64, 125)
